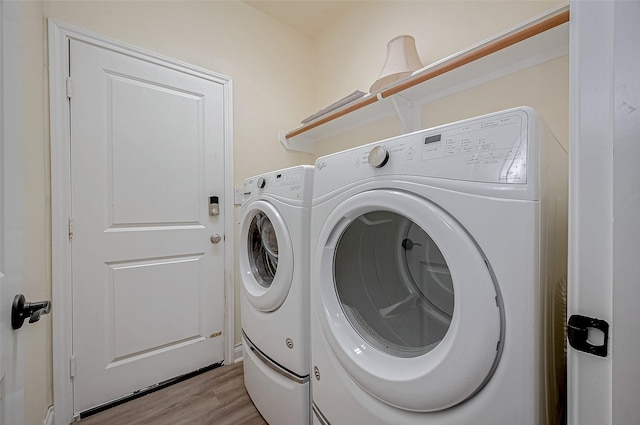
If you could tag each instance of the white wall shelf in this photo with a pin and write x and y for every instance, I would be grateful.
(538, 40)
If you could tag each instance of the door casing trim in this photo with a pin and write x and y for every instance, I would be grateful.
(59, 36)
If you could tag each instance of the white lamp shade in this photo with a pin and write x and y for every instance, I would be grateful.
(402, 60)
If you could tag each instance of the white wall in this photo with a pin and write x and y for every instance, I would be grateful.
(279, 77)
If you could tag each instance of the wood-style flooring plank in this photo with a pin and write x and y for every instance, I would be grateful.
(217, 397)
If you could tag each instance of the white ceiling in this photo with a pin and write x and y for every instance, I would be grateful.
(306, 16)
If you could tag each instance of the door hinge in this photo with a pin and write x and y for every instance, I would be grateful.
(578, 334)
(72, 366)
(69, 87)
(70, 228)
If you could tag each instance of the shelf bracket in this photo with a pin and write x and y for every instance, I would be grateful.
(299, 144)
(410, 114)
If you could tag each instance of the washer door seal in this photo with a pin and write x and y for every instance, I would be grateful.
(441, 373)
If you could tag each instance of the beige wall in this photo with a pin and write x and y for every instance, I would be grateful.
(279, 77)
(351, 52)
(38, 379)
(544, 87)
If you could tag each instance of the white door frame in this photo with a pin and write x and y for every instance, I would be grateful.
(603, 228)
(590, 265)
(59, 36)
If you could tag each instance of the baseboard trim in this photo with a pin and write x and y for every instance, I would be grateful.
(238, 356)
(50, 418)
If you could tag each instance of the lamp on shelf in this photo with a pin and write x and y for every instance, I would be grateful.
(402, 60)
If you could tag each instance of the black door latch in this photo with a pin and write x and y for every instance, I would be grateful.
(21, 309)
(578, 334)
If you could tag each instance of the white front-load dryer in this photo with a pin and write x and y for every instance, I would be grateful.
(274, 268)
(437, 260)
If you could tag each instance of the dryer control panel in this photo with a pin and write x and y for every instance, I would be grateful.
(291, 183)
(490, 149)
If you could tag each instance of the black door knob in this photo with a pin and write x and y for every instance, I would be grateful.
(21, 309)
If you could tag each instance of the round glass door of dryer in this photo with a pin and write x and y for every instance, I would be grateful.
(263, 249)
(400, 297)
(406, 300)
(265, 256)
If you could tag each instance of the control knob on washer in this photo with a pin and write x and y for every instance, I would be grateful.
(261, 182)
(378, 157)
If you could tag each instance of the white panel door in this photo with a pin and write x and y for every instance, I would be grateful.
(148, 282)
(12, 355)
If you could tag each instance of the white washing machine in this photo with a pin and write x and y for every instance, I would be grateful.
(274, 265)
(437, 277)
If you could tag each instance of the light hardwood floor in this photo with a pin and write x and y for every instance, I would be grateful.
(217, 397)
